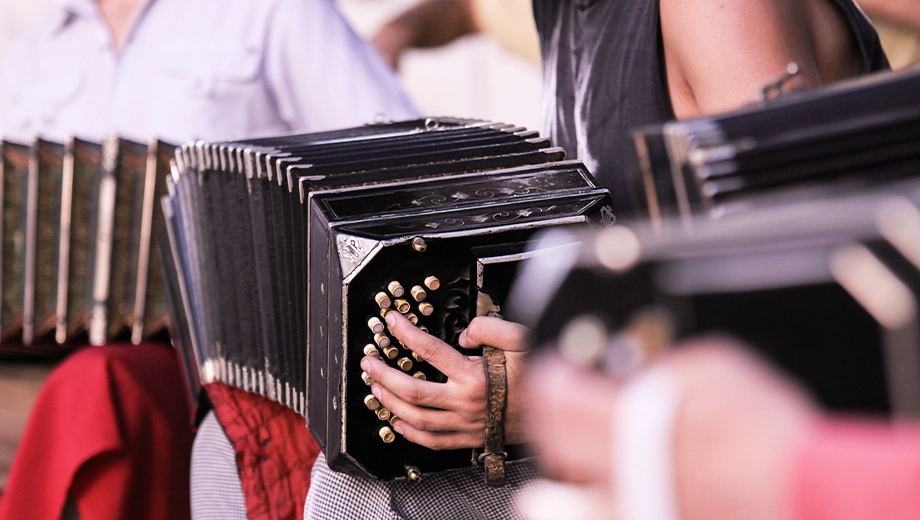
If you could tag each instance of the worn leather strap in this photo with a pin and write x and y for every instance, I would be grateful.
(493, 456)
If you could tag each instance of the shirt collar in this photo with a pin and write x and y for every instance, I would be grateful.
(89, 10)
(80, 8)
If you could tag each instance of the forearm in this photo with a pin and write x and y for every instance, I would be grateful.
(901, 12)
(434, 23)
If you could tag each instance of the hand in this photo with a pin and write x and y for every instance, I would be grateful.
(428, 24)
(390, 42)
(450, 415)
(736, 435)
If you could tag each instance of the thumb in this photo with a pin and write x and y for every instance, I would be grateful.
(494, 332)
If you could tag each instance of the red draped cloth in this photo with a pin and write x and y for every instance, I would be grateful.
(110, 429)
(274, 451)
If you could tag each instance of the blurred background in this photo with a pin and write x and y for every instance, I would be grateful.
(472, 77)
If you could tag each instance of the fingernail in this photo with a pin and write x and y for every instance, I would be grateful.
(376, 391)
(366, 364)
(398, 428)
(390, 317)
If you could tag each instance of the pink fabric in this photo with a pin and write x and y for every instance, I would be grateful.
(110, 427)
(852, 470)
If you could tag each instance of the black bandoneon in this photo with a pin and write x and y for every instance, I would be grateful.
(828, 289)
(857, 133)
(287, 251)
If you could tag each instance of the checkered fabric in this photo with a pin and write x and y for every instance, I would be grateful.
(217, 493)
(460, 494)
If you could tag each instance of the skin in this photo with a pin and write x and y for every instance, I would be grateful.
(737, 432)
(450, 415)
(429, 24)
(718, 53)
(119, 16)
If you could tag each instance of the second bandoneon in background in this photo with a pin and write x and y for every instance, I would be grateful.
(77, 225)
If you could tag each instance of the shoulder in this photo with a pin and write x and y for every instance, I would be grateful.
(729, 20)
(32, 40)
(719, 52)
(251, 23)
(318, 21)
(30, 56)
(718, 8)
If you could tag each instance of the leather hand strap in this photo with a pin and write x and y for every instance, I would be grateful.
(494, 455)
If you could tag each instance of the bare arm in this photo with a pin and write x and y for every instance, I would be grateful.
(431, 23)
(718, 53)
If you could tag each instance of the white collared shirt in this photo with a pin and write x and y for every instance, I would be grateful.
(205, 69)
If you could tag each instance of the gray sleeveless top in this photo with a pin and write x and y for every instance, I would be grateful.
(603, 76)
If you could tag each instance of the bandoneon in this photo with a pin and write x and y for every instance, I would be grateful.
(856, 134)
(827, 289)
(78, 221)
(287, 251)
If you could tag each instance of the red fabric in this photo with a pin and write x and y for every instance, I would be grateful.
(274, 451)
(110, 426)
(852, 470)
